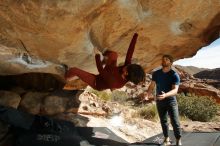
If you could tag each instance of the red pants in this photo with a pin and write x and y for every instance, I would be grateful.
(89, 78)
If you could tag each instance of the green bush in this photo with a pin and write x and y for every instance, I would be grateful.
(102, 94)
(119, 96)
(197, 108)
(116, 95)
(148, 112)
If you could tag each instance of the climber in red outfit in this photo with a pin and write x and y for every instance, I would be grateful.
(111, 76)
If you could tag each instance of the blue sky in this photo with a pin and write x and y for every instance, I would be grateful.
(207, 57)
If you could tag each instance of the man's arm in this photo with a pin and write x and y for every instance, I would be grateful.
(131, 49)
(172, 92)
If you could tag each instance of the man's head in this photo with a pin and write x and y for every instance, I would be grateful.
(135, 73)
(167, 60)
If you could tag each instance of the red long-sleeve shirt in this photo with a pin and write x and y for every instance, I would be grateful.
(110, 77)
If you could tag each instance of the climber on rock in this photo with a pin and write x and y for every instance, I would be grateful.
(111, 76)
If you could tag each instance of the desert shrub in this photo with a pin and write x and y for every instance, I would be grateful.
(197, 108)
(119, 96)
(116, 95)
(148, 111)
(102, 94)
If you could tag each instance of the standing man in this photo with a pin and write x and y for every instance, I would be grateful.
(167, 83)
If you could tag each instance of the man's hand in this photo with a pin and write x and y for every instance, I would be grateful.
(161, 96)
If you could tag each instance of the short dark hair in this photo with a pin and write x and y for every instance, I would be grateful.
(136, 73)
(169, 57)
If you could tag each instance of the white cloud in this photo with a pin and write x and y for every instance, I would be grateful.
(207, 57)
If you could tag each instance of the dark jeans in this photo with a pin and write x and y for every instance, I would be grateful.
(169, 107)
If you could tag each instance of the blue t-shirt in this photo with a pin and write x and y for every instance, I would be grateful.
(164, 82)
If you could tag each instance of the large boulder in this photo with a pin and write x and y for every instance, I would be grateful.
(32, 102)
(41, 36)
(10, 99)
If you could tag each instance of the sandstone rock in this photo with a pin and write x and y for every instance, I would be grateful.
(41, 36)
(8, 98)
(32, 81)
(90, 104)
(209, 74)
(54, 105)
(200, 89)
(32, 102)
(20, 91)
(200, 126)
(215, 83)
(191, 70)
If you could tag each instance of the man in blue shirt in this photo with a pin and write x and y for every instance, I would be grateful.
(167, 83)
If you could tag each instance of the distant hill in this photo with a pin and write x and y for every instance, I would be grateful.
(209, 74)
(191, 69)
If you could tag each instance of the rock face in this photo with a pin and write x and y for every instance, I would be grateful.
(199, 87)
(35, 81)
(191, 70)
(209, 74)
(40, 36)
(211, 77)
(10, 99)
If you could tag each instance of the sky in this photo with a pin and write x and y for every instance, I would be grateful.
(206, 57)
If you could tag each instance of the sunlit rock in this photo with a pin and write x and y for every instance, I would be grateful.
(41, 36)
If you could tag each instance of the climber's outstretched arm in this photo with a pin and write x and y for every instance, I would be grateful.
(131, 49)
